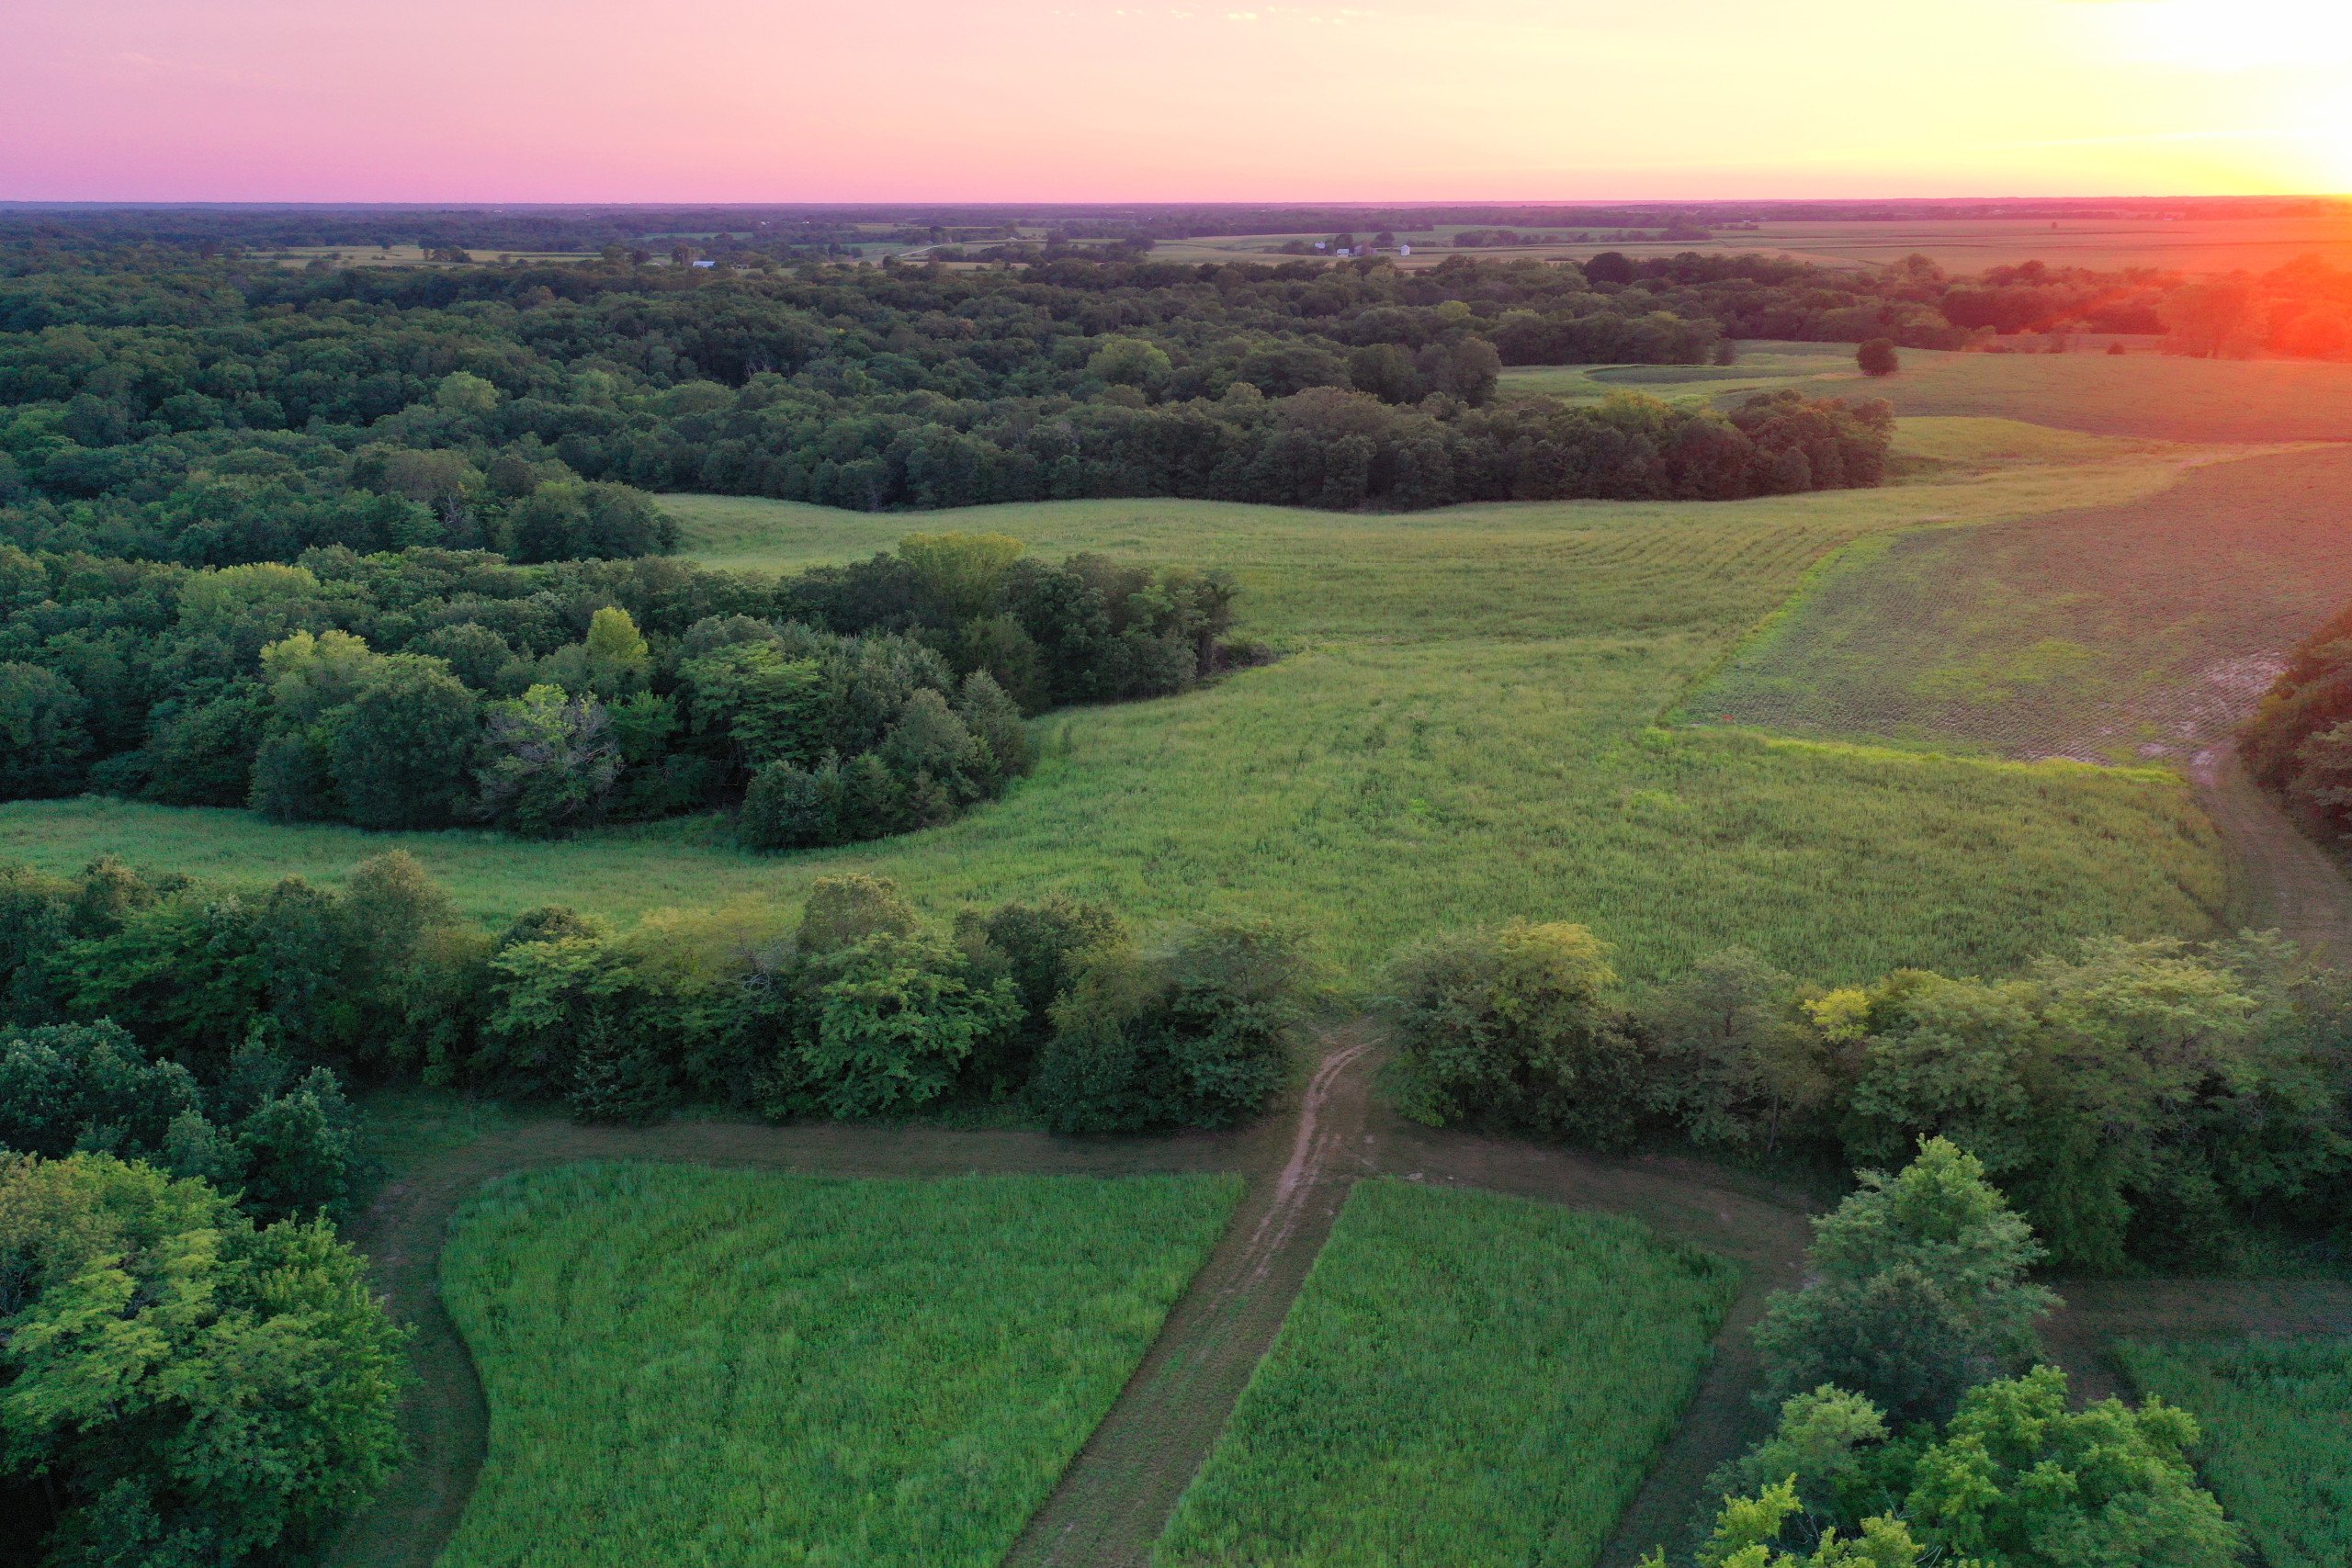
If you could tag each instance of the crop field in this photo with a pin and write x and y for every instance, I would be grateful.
(2277, 1415)
(1460, 730)
(2140, 632)
(1468, 1381)
(687, 1365)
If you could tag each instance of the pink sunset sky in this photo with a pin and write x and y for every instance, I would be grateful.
(731, 100)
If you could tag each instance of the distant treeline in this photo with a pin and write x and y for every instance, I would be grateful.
(589, 226)
(157, 404)
(421, 688)
(2299, 742)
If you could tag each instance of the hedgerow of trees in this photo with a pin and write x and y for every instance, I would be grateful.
(192, 1369)
(208, 1030)
(2141, 1101)
(427, 687)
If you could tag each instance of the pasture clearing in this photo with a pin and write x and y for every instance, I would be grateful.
(2141, 632)
(1762, 368)
(1467, 1381)
(2142, 396)
(2277, 1415)
(2158, 397)
(1461, 730)
(687, 1365)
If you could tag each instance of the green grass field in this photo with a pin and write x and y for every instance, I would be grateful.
(2115, 635)
(2144, 396)
(1461, 730)
(2277, 1415)
(694, 1366)
(1468, 1381)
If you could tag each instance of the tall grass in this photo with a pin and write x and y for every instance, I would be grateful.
(2277, 1415)
(1468, 1381)
(687, 1366)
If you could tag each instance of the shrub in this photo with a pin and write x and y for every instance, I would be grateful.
(1877, 357)
(1510, 1027)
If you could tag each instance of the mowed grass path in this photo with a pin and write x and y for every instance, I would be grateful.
(1461, 730)
(1468, 1381)
(2277, 1415)
(688, 1366)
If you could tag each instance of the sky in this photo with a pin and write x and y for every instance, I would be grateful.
(1072, 100)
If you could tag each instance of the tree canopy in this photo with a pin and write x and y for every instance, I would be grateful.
(179, 1387)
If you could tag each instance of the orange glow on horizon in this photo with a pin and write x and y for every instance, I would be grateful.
(1030, 100)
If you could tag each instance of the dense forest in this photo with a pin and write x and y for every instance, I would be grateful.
(160, 404)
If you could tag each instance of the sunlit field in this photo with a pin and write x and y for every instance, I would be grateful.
(1468, 1381)
(1460, 730)
(2117, 635)
(2141, 395)
(1957, 244)
(2277, 1415)
(687, 1365)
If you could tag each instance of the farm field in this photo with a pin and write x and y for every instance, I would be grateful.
(1466, 1380)
(687, 1365)
(1461, 728)
(2121, 634)
(2141, 395)
(2276, 1417)
(1956, 245)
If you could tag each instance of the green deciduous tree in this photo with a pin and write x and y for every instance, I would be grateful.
(177, 1386)
(1736, 1062)
(401, 751)
(43, 742)
(891, 1018)
(1917, 1292)
(548, 762)
(2014, 1479)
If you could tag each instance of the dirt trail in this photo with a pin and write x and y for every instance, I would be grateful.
(2284, 880)
(1120, 1490)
